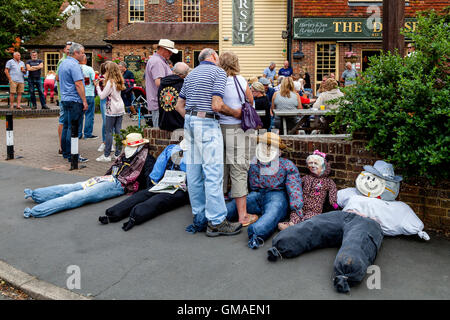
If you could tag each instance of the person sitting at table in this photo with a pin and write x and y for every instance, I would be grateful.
(330, 92)
(286, 99)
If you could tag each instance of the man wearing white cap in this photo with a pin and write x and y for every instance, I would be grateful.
(156, 69)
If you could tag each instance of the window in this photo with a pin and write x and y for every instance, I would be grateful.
(326, 54)
(51, 61)
(89, 58)
(191, 10)
(136, 10)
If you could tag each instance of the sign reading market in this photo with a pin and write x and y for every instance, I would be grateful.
(343, 28)
(243, 22)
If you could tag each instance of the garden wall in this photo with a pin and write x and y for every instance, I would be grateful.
(430, 202)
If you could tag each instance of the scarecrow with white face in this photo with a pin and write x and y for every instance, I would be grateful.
(316, 186)
(369, 213)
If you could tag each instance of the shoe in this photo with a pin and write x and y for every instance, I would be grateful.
(255, 242)
(273, 254)
(103, 219)
(80, 159)
(45, 108)
(91, 137)
(252, 218)
(101, 148)
(102, 158)
(32, 107)
(226, 228)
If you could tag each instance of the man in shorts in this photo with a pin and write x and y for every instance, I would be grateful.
(15, 70)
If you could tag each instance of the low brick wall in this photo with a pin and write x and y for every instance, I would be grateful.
(430, 202)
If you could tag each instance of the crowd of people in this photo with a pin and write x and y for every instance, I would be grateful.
(231, 178)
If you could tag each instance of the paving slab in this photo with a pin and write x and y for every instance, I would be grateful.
(159, 260)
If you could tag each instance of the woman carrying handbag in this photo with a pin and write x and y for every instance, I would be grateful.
(236, 158)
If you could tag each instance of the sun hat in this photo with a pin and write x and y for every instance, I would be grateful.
(167, 44)
(132, 141)
(272, 139)
(265, 155)
(383, 170)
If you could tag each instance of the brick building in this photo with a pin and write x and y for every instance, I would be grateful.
(135, 27)
(332, 32)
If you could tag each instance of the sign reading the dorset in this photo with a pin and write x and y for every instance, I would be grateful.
(343, 28)
(243, 33)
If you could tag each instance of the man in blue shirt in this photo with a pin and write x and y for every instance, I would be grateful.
(349, 75)
(199, 101)
(270, 72)
(73, 96)
(286, 71)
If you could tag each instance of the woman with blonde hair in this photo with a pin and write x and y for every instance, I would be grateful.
(115, 107)
(236, 159)
(286, 99)
(330, 91)
(262, 103)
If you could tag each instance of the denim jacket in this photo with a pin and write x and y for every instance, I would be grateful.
(163, 163)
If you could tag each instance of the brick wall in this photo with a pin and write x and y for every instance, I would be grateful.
(145, 50)
(341, 8)
(431, 203)
(161, 12)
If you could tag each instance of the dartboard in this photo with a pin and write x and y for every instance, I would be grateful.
(168, 98)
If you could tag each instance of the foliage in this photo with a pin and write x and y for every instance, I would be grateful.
(118, 138)
(25, 19)
(139, 78)
(100, 59)
(402, 103)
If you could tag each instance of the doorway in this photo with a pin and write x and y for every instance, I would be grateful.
(365, 55)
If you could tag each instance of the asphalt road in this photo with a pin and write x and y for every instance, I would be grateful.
(159, 260)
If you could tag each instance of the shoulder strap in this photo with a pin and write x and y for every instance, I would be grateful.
(237, 84)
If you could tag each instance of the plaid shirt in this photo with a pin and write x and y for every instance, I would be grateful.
(128, 172)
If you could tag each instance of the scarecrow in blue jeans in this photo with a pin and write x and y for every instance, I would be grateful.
(275, 190)
(369, 212)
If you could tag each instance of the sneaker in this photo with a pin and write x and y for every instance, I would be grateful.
(80, 159)
(45, 108)
(91, 137)
(226, 228)
(101, 148)
(102, 158)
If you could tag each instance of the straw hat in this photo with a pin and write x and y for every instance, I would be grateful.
(272, 139)
(132, 141)
(262, 153)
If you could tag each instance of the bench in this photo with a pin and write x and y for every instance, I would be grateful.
(25, 94)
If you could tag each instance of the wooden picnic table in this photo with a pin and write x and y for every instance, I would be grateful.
(305, 113)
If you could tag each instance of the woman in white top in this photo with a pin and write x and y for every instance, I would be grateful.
(115, 107)
(330, 92)
(236, 162)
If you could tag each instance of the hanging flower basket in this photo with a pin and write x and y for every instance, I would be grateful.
(99, 58)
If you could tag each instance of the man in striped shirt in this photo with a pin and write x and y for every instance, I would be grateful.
(199, 102)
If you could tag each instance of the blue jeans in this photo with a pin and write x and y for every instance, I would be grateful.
(359, 239)
(271, 205)
(68, 196)
(103, 111)
(36, 83)
(204, 168)
(89, 117)
(72, 111)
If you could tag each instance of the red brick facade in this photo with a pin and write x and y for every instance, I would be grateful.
(344, 8)
(431, 203)
(161, 12)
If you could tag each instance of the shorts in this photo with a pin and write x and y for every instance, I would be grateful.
(16, 87)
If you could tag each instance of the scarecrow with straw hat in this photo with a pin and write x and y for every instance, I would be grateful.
(128, 174)
(276, 189)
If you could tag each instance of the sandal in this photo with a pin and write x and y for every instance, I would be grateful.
(252, 219)
(284, 225)
(18, 107)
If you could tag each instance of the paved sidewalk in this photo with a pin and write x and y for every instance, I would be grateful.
(159, 260)
(36, 140)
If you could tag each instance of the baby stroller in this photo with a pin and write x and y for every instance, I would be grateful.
(140, 105)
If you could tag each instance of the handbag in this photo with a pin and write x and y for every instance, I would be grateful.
(250, 119)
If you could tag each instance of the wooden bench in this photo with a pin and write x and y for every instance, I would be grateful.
(25, 94)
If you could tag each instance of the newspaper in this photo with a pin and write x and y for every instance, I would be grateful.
(171, 182)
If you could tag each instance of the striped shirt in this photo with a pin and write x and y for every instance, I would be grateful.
(204, 82)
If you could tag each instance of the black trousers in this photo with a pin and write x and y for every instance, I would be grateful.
(359, 239)
(145, 205)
